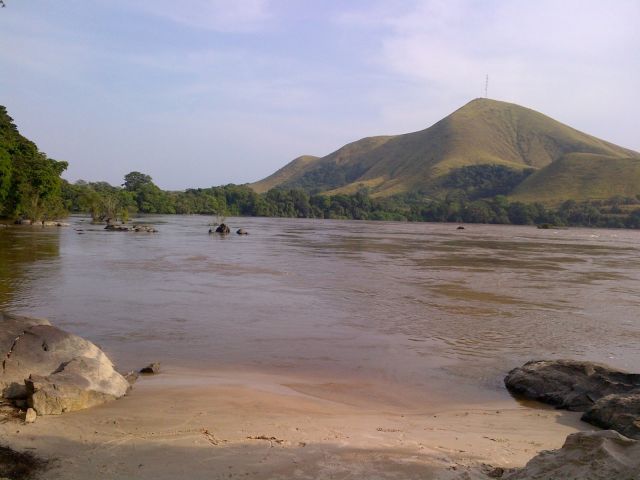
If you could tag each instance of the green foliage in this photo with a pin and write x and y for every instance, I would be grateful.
(481, 181)
(104, 201)
(5, 176)
(133, 181)
(30, 183)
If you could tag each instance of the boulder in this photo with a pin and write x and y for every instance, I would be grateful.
(114, 227)
(152, 368)
(55, 371)
(569, 384)
(11, 328)
(144, 228)
(602, 455)
(620, 412)
(242, 231)
(223, 228)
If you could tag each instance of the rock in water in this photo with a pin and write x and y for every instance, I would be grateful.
(242, 231)
(117, 228)
(603, 455)
(620, 412)
(569, 384)
(55, 371)
(152, 368)
(222, 228)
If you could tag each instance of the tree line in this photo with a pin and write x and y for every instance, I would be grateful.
(138, 194)
(31, 188)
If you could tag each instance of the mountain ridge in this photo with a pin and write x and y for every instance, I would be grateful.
(482, 132)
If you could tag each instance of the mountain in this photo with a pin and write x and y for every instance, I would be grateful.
(482, 132)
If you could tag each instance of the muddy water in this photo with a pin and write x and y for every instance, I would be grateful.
(420, 305)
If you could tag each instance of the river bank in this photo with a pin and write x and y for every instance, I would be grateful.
(226, 424)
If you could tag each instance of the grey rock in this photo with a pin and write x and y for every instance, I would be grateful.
(152, 368)
(620, 412)
(602, 455)
(114, 227)
(72, 389)
(131, 377)
(569, 384)
(54, 370)
(223, 229)
(144, 229)
(242, 231)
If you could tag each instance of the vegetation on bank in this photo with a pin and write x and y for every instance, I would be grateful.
(30, 183)
(140, 195)
(31, 188)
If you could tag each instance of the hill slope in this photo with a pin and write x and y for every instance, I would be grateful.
(481, 132)
(581, 176)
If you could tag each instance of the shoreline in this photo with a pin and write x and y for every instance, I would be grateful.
(223, 424)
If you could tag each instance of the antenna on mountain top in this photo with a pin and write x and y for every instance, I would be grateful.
(486, 86)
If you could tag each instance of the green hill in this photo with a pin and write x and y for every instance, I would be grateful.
(290, 170)
(581, 176)
(483, 132)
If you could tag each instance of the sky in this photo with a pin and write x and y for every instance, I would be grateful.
(199, 93)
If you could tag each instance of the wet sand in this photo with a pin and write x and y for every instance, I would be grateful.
(230, 424)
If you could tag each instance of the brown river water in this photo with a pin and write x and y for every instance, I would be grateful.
(419, 305)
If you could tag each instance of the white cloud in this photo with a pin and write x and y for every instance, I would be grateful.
(574, 59)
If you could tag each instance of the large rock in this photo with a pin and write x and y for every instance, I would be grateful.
(569, 384)
(11, 328)
(602, 455)
(223, 229)
(620, 412)
(54, 370)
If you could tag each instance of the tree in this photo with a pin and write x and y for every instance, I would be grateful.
(5, 176)
(133, 181)
(30, 183)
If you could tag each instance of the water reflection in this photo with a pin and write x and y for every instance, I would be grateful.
(23, 250)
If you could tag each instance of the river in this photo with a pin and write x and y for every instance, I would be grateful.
(412, 304)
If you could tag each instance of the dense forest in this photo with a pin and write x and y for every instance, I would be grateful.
(30, 183)
(31, 188)
(140, 195)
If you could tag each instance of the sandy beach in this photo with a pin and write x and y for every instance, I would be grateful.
(240, 424)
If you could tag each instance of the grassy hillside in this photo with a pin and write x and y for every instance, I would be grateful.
(481, 132)
(580, 176)
(285, 174)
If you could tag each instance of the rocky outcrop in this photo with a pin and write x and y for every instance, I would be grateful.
(223, 229)
(55, 371)
(569, 384)
(118, 227)
(609, 398)
(621, 412)
(151, 369)
(602, 455)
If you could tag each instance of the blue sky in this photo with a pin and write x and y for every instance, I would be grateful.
(206, 92)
